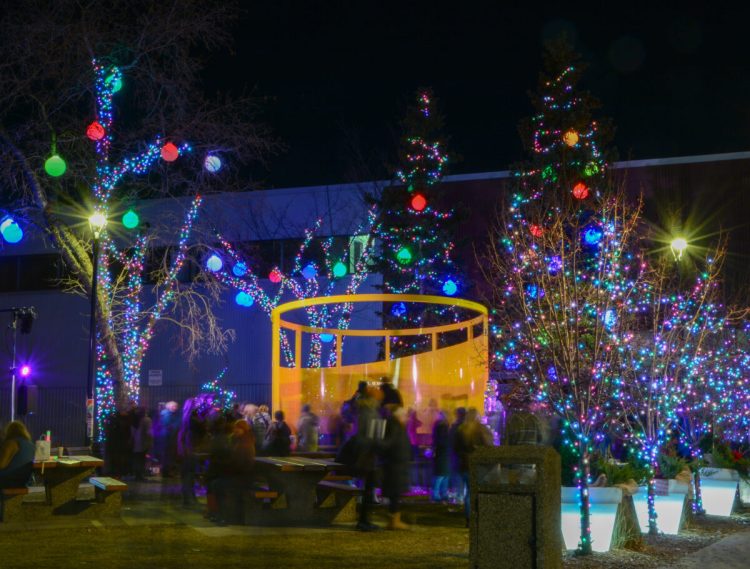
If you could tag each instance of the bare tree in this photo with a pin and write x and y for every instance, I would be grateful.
(50, 94)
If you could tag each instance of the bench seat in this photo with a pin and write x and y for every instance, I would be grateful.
(12, 500)
(341, 498)
(108, 494)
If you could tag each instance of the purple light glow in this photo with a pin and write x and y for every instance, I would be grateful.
(25, 371)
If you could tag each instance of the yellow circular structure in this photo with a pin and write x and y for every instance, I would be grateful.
(439, 378)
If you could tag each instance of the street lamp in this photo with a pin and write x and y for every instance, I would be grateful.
(97, 223)
(678, 246)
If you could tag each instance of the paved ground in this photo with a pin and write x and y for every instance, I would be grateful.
(732, 552)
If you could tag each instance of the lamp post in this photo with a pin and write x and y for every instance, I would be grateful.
(97, 223)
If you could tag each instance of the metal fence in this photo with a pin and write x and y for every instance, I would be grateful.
(61, 410)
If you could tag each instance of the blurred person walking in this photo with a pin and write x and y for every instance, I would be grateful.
(396, 453)
(278, 441)
(142, 441)
(471, 435)
(441, 458)
(308, 429)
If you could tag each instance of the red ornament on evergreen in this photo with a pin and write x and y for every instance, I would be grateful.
(169, 152)
(95, 131)
(418, 202)
(536, 230)
(275, 276)
(580, 191)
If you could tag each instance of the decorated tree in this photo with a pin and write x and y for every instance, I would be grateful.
(414, 229)
(150, 57)
(563, 268)
(664, 347)
(313, 273)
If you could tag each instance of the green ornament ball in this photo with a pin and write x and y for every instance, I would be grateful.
(55, 166)
(130, 219)
(404, 256)
(339, 270)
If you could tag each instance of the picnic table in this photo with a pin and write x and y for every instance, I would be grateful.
(302, 495)
(62, 476)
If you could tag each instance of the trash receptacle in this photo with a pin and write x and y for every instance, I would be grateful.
(515, 508)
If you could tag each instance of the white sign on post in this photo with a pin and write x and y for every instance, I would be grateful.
(154, 377)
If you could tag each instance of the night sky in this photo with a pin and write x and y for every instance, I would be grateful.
(334, 79)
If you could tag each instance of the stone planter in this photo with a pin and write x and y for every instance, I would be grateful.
(604, 505)
(671, 497)
(718, 490)
(745, 492)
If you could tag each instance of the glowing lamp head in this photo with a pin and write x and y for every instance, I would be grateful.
(275, 276)
(244, 299)
(97, 223)
(25, 371)
(326, 338)
(169, 152)
(339, 270)
(398, 309)
(239, 269)
(130, 219)
(450, 287)
(580, 191)
(678, 245)
(418, 202)
(214, 263)
(570, 138)
(309, 272)
(404, 256)
(212, 163)
(10, 230)
(95, 131)
(55, 166)
(592, 236)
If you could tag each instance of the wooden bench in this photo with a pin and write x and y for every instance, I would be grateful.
(342, 497)
(12, 499)
(108, 494)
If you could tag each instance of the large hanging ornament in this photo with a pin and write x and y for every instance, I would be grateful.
(114, 81)
(244, 299)
(130, 219)
(398, 309)
(10, 230)
(275, 276)
(326, 338)
(403, 256)
(212, 163)
(95, 131)
(450, 287)
(590, 169)
(214, 263)
(580, 191)
(570, 138)
(536, 230)
(239, 269)
(339, 270)
(55, 166)
(309, 272)
(418, 202)
(169, 152)
(592, 235)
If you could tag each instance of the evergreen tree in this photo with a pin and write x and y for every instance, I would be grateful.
(414, 230)
(561, 266)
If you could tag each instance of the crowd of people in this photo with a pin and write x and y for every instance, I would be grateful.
(374, 436)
